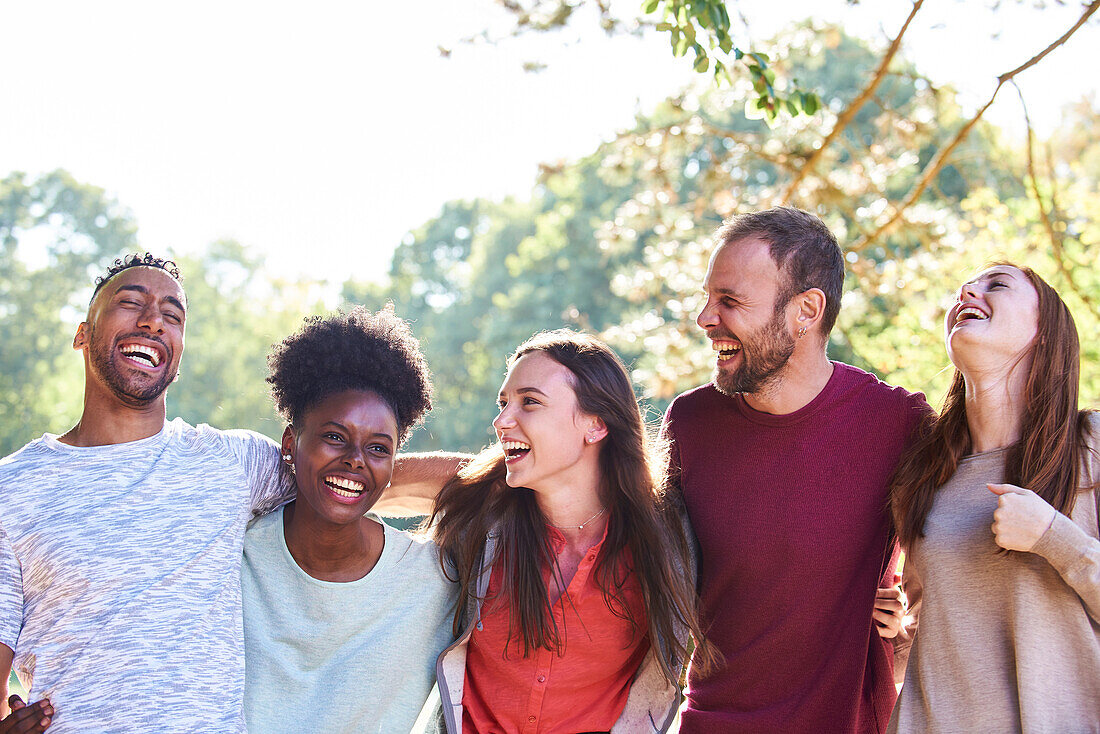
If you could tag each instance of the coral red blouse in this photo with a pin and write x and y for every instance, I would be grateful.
(583, 690)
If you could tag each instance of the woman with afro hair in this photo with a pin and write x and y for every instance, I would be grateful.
(343, 616)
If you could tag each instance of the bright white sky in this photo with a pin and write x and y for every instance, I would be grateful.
(320, 133)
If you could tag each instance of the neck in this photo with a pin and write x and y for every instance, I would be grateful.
(106, 421)
(799, 381)
(328, 551)
(571, 505)
(994, 408)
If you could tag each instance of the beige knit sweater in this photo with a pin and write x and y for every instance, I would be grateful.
(1006, 643)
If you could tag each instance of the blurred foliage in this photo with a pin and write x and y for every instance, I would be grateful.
(699, 27)
(615, 243)
(56, 236)
(55, 233)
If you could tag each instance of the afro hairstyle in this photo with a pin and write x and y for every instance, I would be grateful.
(137, 261)
(351, 350)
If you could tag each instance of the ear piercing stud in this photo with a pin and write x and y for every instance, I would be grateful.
(802, 332)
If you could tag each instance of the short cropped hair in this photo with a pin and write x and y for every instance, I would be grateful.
(351, 350)
(805, 251)
(135, 260)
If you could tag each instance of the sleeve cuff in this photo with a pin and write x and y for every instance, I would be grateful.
(1063, 544)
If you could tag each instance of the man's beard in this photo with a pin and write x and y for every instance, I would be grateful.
(762, 357)
(128, 391)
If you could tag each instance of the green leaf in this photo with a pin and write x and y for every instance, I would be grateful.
(715, 19)
(753, 110)
(811, 104)
(702, 63)
(681, 46)
(651, 6)
(738, 54)
(792, 107)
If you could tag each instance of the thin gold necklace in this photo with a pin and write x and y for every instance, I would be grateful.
(581, 526)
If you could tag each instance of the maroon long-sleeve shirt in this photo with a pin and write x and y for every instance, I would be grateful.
(791, 513)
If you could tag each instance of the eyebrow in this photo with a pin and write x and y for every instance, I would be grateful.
(724, 292)
(525, 390)
(994, 274)
(342, 427)
(142, 289)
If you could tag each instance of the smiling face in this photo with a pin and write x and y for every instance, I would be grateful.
(993, 321)
(547, 440)
(133, 338)
(342, 455)
(747, 331)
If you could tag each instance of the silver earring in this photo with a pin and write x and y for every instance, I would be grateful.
(286, 457)
(802, 332)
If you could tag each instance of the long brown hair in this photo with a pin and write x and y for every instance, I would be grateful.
(1053, 444)
(644, 535)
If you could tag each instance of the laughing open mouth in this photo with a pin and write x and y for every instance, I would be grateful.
(141, 354)
(726, 348)
(515, 449)
(970, 313)
(344, 487)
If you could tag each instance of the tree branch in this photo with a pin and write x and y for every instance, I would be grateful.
(932, 168)
(845, 118)
(1056, 242)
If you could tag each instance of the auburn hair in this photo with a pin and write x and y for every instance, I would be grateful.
(1053, 447)
(645, 537)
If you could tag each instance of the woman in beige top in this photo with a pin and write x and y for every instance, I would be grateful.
(996, 506)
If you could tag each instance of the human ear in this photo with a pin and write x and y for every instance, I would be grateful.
(80, 338)
(287, 447)
(597, 430)
(810, 306)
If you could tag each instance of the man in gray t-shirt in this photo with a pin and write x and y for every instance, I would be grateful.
(120, 541)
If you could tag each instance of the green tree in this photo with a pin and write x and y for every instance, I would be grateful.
(236, 311)
(55, 233)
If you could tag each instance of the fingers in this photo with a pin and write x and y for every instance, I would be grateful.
(888, 625)
(892, 593)
(26, 719)
(1000, 489)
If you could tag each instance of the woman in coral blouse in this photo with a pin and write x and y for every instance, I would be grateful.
(574, 564)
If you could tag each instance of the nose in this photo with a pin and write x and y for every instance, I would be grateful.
(151, 318)
(504, 420)
(353, 457)
(969, 290)
(708, 317)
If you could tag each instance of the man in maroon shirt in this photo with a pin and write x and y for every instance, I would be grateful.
(783, 462)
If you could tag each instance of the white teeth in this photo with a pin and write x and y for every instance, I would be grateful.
(132, 350)
(515, 446)
(344, 487)
(725, 348)
(970, 312)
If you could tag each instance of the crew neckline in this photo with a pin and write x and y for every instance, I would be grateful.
(53, 442)
(384, 559)
(809, 409)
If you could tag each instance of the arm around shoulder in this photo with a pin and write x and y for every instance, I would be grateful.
(416, 481)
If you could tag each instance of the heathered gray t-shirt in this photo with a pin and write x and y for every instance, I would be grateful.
(120, 575)
(1005, 643)
(325, 657)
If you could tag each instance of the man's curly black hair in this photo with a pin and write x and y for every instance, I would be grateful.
(352, 350)
(134, 261)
